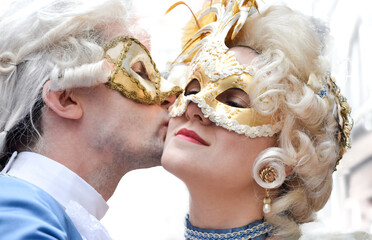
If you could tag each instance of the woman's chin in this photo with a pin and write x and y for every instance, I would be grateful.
(172, 160)
(177, 164)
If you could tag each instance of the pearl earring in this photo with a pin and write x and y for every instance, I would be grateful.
(268, 175)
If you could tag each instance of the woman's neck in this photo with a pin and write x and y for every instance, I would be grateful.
(224, 209)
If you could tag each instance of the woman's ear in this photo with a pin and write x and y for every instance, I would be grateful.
(64, 103)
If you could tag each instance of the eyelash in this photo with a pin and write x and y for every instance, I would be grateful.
(195, 87)
(191, 92)
(231, 103)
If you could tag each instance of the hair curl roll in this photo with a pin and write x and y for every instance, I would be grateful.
(272, 158)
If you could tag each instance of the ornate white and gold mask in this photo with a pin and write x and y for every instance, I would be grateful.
(217, 70)
(134, 73)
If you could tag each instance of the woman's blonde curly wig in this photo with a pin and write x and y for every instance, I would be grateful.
(292, 47)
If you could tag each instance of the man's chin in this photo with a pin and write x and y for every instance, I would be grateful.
(148, 165)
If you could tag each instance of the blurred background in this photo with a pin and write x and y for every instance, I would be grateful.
(152, 204)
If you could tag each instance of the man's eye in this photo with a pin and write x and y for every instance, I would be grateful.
(192, 88)
(235, 97)
(143, 75)
(140, 69)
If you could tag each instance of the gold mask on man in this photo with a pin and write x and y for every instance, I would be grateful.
(134, 73)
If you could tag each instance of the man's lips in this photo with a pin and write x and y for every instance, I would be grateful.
(166, 123)
(191, 136)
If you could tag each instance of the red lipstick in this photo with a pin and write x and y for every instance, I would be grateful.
(191, 136)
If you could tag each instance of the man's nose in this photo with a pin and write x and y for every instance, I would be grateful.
(168, 102)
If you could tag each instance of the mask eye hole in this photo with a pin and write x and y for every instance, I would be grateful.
(140, 69)
(193, 87)
(235, 97)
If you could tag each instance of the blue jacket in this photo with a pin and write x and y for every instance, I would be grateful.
(28, 212)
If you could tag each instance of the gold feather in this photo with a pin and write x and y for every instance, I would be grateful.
(190, 30)
(183, 3)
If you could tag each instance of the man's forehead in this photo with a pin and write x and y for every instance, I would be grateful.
(141, 35)
(145, 39)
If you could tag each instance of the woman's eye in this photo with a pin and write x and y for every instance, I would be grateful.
(140, 69)
(191, 92)
(235, 97)
(192, 88)
(234, 103)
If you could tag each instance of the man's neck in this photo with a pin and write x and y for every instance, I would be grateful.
(96, 168)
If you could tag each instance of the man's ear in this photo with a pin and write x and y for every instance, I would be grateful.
(63, 103)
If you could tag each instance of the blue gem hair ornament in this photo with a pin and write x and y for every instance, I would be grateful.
(323, 93)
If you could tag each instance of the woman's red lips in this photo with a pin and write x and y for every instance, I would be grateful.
(191, 136)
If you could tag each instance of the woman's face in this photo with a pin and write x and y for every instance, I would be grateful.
(199, 152)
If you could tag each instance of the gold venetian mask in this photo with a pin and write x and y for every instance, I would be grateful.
(218, 74)
(222, 92)
(134, 73)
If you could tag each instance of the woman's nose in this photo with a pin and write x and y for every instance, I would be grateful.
(194, 113)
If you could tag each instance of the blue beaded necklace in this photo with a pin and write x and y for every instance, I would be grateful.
(257, 230)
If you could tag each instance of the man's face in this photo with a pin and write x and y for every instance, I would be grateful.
(129, 133)
(127, 117)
